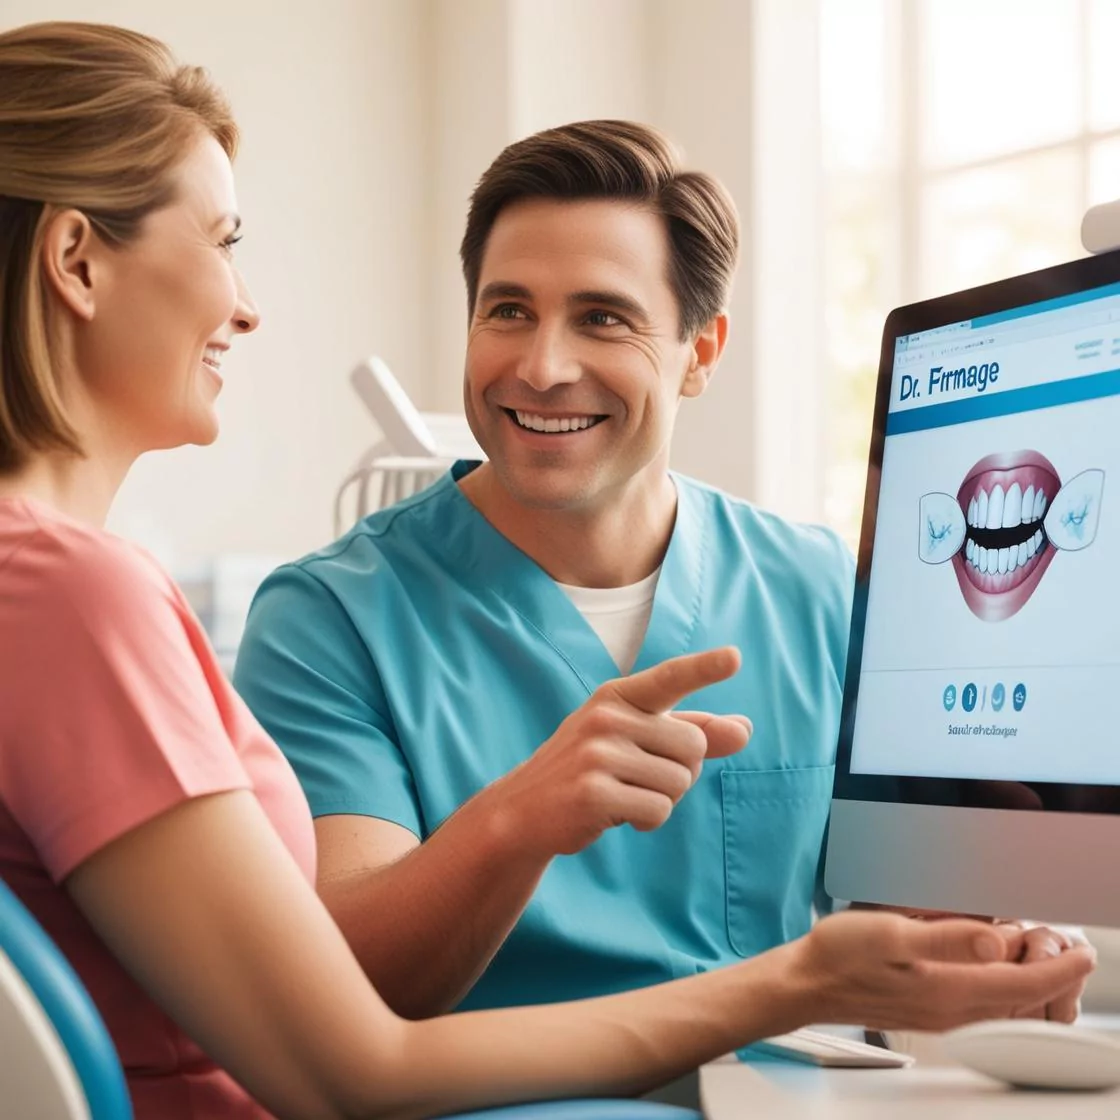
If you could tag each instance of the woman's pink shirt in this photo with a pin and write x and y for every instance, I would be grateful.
(113, 710)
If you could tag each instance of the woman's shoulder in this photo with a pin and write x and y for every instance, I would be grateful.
(51, 564)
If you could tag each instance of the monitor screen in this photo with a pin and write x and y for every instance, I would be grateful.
(990, 641)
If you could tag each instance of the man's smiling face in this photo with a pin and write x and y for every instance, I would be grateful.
(575, 366)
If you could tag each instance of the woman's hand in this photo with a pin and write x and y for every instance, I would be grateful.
(888, 971)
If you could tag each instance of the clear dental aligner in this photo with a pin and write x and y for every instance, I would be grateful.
(1001, 531)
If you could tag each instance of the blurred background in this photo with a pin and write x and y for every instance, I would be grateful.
(880, 151)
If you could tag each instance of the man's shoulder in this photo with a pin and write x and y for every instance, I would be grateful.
(350, 582)
(383, 541)
(768, 537)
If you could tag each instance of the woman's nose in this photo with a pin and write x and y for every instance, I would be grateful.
(246, 317)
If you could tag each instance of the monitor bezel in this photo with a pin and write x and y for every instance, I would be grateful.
(1070, 278)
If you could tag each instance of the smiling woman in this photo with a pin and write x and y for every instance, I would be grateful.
(105, 199)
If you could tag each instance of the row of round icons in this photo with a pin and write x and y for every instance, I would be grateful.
(971, 696)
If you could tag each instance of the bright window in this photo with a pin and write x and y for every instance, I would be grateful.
(962, 142)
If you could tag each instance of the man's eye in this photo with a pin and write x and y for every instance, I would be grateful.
(602, 319)
(507, 311)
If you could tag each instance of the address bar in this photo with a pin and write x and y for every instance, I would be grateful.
(1046, 328)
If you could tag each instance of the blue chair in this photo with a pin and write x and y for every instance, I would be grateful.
(57, 1061)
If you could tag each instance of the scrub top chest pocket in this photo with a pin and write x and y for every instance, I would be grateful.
(773, 829)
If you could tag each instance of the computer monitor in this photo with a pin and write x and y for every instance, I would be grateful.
(978, 768)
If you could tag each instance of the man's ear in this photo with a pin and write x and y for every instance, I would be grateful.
(707, 347)
(71, 261)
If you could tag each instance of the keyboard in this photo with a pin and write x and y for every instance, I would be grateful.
(818, 1048)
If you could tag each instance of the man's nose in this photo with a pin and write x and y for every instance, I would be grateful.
(548, 361)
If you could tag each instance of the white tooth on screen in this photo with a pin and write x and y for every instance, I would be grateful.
(993, 561)
(1032, 547)
(1037, 538)
(969, 548)
(1024, 553)
(1071, 524)
(982, 508)
(1012, 558)
(1012, 506)
(1028, 505)
(982, 560)
(972, 511)
(1003, 560)
(941, 528)
(1039, 505)
(995, 508)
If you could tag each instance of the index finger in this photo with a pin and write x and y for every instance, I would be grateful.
(661, 687)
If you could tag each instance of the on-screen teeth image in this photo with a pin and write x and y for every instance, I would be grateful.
(1002, 529)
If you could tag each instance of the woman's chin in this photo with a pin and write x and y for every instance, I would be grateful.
(206, 433)
(199, 431)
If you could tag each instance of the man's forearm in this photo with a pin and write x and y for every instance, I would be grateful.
(426, 926)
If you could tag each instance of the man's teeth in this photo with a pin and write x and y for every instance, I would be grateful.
(537, 423)
(1000, 510)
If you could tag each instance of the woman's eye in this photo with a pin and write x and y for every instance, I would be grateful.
(230, 241)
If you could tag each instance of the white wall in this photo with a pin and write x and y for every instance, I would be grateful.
(702, 96)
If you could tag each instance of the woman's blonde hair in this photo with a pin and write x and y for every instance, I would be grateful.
(94, 118)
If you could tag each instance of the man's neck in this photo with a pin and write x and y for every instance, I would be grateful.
(613, 544)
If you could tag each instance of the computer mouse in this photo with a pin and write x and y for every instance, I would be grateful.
(1028, 1053)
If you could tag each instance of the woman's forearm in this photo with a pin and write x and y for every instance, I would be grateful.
(616, 1045)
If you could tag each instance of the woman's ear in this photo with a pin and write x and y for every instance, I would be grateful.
(70, 253)
(707, 347)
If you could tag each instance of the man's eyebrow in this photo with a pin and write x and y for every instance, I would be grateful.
(618, 300)
(503, 289)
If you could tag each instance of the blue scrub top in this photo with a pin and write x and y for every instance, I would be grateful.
(422, 656)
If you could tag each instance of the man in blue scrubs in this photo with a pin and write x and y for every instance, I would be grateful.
(475, 685)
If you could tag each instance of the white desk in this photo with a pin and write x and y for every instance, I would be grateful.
(785, 1091)
(769, 1089)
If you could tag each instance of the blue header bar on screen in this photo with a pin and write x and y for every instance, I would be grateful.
(1049, 395)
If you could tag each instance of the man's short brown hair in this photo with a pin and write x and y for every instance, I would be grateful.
(631, 163)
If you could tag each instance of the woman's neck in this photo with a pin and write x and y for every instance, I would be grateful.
(81, 488)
